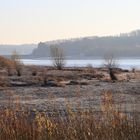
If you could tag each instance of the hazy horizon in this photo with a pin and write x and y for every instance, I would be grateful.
(33, 21)
(59, 39)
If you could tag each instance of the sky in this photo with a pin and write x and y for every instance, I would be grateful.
(33, 21)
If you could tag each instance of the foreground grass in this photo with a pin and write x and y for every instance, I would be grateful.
(79, 125)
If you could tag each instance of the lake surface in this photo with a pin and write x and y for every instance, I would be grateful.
(122, 63)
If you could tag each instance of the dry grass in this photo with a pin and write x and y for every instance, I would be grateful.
(110, 124)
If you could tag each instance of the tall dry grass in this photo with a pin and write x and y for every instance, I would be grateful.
(110, 124)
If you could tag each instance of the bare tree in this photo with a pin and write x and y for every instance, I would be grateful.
(111, 63)
(58, 57)
(17, 64)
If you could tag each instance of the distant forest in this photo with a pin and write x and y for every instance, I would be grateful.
(123, 45)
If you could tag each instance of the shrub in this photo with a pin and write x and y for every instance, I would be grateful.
(111, 63)
(6, 64)
(17, 64)
(58, 57)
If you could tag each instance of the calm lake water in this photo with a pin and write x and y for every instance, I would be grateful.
(122, 63)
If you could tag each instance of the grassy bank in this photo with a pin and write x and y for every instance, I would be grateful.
(111, 124)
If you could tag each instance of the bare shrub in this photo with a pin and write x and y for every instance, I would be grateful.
(6, 64)
(58, 57)
(111, 63)
(17, 64)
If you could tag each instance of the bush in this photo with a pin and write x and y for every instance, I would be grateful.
(111, 63)
(6, 64)
(58, 57)
(17, 64)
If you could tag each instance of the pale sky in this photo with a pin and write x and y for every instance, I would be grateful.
(32, 21)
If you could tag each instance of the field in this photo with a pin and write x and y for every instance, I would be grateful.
(73, 103)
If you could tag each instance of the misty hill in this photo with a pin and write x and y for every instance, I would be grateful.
(24, 49)
(124, 45)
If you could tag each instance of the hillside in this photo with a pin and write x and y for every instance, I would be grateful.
(24, 49)
(124, 45)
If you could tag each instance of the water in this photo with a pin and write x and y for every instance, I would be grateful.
(122, 63)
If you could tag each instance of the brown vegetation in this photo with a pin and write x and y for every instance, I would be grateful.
(110, 124)
(17, 64)
(6, 64)
(18, 123)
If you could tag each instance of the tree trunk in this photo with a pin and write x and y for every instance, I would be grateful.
(112, 75)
